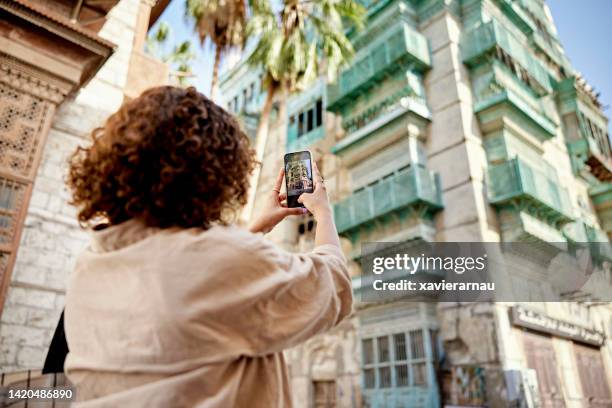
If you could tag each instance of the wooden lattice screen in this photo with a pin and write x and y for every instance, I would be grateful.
(24, 122)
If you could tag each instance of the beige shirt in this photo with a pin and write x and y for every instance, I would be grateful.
(191, 318)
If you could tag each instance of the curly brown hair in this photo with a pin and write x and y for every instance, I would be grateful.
(171, 157)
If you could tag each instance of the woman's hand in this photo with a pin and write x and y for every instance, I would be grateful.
(275, 208)
(317, 202)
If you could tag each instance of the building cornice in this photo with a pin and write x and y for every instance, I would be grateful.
(32, 80)
(58, 25)
(68, 56)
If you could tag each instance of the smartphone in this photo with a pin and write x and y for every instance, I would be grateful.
(298, 176)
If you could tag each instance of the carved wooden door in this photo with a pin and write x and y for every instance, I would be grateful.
(541, 357)
(595, 387)
(24, 122)
(324, 394)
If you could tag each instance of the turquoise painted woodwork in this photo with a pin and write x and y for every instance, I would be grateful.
(374, 6)
(517, 15)
(602, 251)
(579, 231)
(596, 240)
(302, 103)
(587, 149)
(516, 183)
(479, 44)
(384, 119)
(495, 83)
(537, 41)
(391, 392)
(601, 194)
(487, 110)
(602, 200)
(576, 232)
(586, 133)
(414, 188)
(426, 9)
(359, 120)
(413, 397)
(399, 46)
(295, 143)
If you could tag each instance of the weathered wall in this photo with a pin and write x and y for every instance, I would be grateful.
(51, 237)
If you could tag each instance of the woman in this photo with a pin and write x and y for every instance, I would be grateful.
(171, 305)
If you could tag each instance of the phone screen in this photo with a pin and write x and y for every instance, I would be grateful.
(298, 176)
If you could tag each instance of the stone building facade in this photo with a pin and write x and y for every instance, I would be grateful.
(457, 121)
(65, 66)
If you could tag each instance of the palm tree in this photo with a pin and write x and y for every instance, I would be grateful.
(179, 57)
(221, 21)
(294, 46)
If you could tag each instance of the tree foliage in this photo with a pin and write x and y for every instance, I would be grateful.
(303, 39)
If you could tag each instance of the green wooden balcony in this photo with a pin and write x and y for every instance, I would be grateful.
(416, 397)
(541, 45)
(478, 45)
(414, 187)
(517, 184)
(588, 151)
(583, 235)
(397, 48)
(509, 103)
(586, 131)
(576, 232)
(579, 231)
(373, 5)
(295, 142)
(602, 200)
(602, 250)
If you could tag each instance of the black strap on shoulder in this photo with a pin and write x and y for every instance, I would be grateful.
(54, 363)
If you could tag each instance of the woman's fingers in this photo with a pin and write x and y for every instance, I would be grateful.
(316, 174)
(282, 197)
(295, 211)
(318, 178)
(279, 179)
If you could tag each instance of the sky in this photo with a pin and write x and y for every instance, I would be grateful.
(182, 30)
(584, 27)
(585, 30)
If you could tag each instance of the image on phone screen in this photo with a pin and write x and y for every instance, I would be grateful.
(298, 176)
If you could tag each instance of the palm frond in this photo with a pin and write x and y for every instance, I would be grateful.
(294, 43)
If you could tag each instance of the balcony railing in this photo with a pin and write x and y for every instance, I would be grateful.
(399, 46)
(588, 151)
(484, 39)
(295, 142)
(516, 180)
(587, 236)
(413, 396)
(507, 97)
(410, 187)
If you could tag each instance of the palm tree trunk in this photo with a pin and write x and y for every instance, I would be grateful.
(214, 84)
(261, 139)
(284, 234)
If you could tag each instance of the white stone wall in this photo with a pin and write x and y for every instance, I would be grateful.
(51, 237)
(454, 144)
